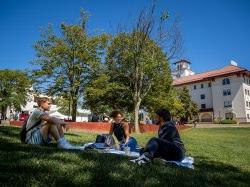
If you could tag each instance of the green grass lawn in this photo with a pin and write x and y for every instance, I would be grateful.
(222, 158)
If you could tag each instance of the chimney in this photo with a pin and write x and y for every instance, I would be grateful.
(232, 62)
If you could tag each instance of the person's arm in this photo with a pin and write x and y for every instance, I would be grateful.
(167, 133)
(126, 130)
(111, 129)
(52, 120)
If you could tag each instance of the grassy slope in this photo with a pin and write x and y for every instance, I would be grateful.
(222, 158)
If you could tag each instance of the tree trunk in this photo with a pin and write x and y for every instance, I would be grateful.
(136, 116)
(69, 111)
(73, 109)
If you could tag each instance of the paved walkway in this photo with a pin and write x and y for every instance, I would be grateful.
(198, 125)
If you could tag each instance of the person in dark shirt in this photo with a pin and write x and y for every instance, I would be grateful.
(121, 131)
(168, 145)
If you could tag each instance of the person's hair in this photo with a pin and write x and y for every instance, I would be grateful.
(164, 113)
(115, 113)
(42, 100)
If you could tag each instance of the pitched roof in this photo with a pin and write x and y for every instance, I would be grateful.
(227, 70)
(182, 61)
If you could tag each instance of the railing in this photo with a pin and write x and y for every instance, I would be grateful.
(102, 127)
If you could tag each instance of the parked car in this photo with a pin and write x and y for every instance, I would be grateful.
(23, 116)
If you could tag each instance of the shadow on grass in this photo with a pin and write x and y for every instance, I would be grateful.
(47, 166)
(8, 131)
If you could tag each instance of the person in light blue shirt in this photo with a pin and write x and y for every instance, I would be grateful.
(43, 127)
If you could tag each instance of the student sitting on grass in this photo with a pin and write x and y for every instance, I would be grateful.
(121, 131)
(168, 145)
(45, 126)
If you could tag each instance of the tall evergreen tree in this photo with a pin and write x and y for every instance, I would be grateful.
(190, 108)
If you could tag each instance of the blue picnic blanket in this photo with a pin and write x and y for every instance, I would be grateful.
(187, 162)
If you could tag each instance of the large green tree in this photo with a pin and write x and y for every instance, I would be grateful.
(137, 63)
(163, 96)
(14, 88)
(101, 94)
(63, 104)
(67, 62)
(137, 72)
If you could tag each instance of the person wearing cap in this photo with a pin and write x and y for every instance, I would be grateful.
(167, 146)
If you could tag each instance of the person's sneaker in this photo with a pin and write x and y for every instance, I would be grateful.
(64, 144)
(143, 159)
(136, 160)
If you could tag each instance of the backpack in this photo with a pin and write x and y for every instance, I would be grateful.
(105, 138)
(23, 131)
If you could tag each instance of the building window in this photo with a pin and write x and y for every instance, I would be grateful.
(227, 104)
(209, 84)
(203, 105)
(202, 86)
(194, 87)
(202, 96)
(229, 115)
(246, 91)
(226, 81)
(247, 103)
(226, 92)
(248, 116)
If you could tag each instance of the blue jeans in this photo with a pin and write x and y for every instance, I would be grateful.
(132, 143)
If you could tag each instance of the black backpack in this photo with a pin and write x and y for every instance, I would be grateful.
(23, 131)
(105, 138)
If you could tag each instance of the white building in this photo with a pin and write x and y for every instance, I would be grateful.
(220, 94)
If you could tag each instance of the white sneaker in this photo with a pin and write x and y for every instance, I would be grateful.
(64, 144)
(142, 160)
(136, 160)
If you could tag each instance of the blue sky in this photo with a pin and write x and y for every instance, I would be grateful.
(214, 31)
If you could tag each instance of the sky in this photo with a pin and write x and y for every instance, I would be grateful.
(214, 32)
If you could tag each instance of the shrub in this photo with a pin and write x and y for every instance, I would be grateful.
(228, 121)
